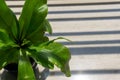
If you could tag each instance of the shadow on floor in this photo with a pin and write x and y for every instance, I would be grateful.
(87, 72)
(85, 33)
(95, 50)
(8, 76)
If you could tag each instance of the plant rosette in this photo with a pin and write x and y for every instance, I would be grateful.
(25, 37)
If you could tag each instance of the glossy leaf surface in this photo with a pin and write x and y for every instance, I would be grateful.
(55, 53)
(40, 58)
(33, 14)
(8, 20)
(25, 70)
(48, 26)
(24, 38)
(38, 36)
(4, 37)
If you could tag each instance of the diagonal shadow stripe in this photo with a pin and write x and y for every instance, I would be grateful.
(85, 18)
(84, 11)
(88, 72)
(95, 50)
(85, 4)
(79, 11)
(92, 42)
(85, 33)
(74, 4)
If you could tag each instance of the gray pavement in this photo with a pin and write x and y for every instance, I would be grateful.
(94, 30)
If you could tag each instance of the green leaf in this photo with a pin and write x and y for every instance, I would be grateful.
(33, 14)
(25, 70)
(62, 54)
(4, 37)
(40, 58)
(38, 17)
(48, 26)
(51, 41)
(8, 20)
(38, 36)
(8, 55)
(60, 38)
(57, 54)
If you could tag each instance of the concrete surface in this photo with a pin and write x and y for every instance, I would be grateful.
(95, 31)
